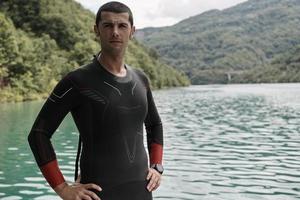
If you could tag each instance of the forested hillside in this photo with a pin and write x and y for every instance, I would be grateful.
(255, 41)
(284, 68)
(42, 40)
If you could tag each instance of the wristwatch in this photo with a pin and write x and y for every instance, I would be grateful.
(158, 167)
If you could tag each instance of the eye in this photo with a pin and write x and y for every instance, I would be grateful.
(123, 26)
(107, 25)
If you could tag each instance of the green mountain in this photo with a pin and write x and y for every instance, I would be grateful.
(42, 40)
(284, 68)
(237, 44)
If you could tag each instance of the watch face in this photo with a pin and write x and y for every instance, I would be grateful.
(160, 168)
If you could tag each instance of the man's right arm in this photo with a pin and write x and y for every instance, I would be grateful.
(64, 97)
(57, 105)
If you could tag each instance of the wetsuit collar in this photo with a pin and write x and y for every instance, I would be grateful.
(109, 75)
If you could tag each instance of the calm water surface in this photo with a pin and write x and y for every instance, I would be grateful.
(221, 142)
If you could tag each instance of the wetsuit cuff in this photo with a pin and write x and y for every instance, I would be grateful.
(156, 153)
(52, 173)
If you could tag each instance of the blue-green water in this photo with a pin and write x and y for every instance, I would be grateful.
(221, 142)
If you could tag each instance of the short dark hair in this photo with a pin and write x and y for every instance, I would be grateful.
(115, 7)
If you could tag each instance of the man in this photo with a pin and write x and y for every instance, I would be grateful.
(109, 102)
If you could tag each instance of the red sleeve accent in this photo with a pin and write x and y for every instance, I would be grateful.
(52, 173)
(156, 152)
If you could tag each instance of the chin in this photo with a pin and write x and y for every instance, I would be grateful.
(117, 51)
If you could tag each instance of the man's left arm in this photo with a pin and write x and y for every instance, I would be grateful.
(154, 131)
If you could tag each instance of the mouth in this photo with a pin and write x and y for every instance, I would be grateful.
(116, 41)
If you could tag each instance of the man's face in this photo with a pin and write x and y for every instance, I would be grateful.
(114, 31)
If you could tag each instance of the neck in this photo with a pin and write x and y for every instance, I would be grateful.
(113, 63)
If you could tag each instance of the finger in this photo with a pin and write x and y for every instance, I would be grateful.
(92, 186)
(150, 173)
(92, 194)
(85, 197)
(152, 183)
(157, 185)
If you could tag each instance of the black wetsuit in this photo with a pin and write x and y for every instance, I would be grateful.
(109, 112)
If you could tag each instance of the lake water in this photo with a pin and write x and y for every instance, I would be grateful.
(221, 142)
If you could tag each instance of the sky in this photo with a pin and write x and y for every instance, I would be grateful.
(156, 13)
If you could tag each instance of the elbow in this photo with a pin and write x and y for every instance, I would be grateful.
(29, 138)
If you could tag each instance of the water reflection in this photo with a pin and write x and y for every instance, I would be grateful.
(221, 142)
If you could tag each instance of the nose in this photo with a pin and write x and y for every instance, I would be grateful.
(115, 31)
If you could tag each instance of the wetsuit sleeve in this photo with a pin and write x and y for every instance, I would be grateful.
(62, 99)
(154, 129)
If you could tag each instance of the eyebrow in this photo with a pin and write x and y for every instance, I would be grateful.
(113, 22)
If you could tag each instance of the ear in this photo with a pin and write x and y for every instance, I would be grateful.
(96, 30)
(132, 32)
